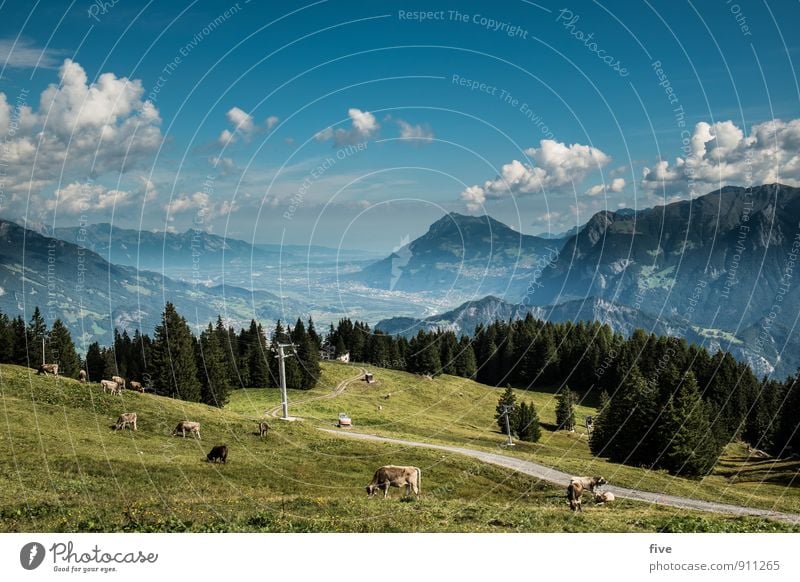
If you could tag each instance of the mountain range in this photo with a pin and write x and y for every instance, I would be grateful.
(93, 296)
(464, 255)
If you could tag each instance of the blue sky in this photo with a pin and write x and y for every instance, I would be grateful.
(357, 124)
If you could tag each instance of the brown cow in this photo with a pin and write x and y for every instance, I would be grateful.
(111, 387)
(576, 488)
(263, 427)
(82, 376)
(136, 386)
(119, 380)
(48, 369)
(396, 476)
(604, 497)
(125, 419)
(184, 425)
(218, 453)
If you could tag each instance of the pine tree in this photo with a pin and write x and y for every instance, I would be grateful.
(565, 409)
(307, 356)
(6, 339)
(20, 337)
(61, 350)
(95, 364)
(213, 375)
(257, 355)
(36, 334)
(506, 400)
(527, 423)
(601, 435)
(690, 447)
(465, 365)
(174, 363)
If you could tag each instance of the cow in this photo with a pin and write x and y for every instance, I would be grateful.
(136, 386)
(119, 380)
(111, 387)
(82, 376)
(263, 427)
(218, 453)
(604, 497)
(48, 369)
(576, 488)
(380, 407)
(396, 476)
(184, 425)
(125, 419)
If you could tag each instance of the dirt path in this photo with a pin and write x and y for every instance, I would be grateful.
(561, 478)
(340, 387)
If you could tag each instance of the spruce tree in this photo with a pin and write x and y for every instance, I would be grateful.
(307, 356)
(527, 423)
(565, 409)
(95, 365)
(20, 338)
(61, 351)
(36, 334)
(506, 400)
(215, 388)
(174, 363)
(257, 355)
(465, 365)
(600, 433)
(6, 339)
(689, 445)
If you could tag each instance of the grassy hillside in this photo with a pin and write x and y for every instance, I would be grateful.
(64, 469)
(457, 411)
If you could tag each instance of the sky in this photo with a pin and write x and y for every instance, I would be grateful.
(358, 124)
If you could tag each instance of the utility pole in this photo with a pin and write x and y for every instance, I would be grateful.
(282, 374)
(507, 409)
(44, 360)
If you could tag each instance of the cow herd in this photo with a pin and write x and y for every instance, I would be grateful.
(408, 477)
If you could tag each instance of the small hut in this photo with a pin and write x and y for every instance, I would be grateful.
(369, 378)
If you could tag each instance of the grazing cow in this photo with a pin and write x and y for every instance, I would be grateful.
(82, 376)
(604, 497)
(395, 476)
(125, 419)
(263, 427)
(110, 386)
(576, 488)
(380, 407)
(48, 369)
(218, 453)
(387, 396)
(136, 386)
(119, 380)
(184, 425)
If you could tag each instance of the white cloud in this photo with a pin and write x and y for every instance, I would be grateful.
(721, 153)
(415, 133)
(363, 125)
(199, 204)
(225, 165)
(243, 126)
(81, 198)
(616, 185)
(80, 128)
(21, 54)
(556, 165)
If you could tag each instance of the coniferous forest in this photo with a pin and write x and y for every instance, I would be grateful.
(662, 403)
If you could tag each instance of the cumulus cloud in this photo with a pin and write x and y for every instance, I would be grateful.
(243, 126)
(78, 198)
(198, 204)
(363, 125)
(555, 166)
(225, 165)
(616, 185)
(722, 153)
(81, 129)
(415, 133)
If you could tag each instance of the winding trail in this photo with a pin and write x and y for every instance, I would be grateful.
(561, 478)
(276, 411)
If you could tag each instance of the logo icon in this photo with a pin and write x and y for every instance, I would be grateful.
(31, 555)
